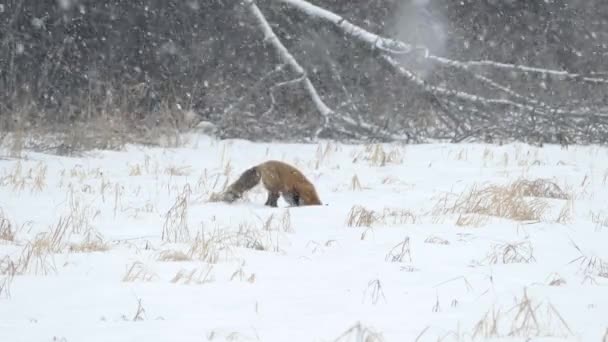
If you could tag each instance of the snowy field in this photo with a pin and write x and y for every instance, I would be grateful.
(432, 242)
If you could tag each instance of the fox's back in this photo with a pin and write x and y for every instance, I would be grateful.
(278, 176)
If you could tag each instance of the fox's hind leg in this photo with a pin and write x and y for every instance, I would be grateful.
(272, 199)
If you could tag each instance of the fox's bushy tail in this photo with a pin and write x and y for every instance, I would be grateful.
(246, 181)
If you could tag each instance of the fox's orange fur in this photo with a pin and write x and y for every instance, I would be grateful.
(280, 179)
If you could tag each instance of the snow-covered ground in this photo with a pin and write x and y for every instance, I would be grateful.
(123, 246)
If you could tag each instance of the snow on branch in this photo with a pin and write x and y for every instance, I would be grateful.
(339, 120)
(394, 46)
(290, 60)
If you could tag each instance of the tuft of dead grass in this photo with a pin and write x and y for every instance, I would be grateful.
(197, 276)
(281, 224)
(173, 255)
(210, 247)
(359, 216)
(521, 200)
(436, 240)
(7, 232)
(600, 220)
(400, 252)
(175, 227)
(19, 179)
(555, 280)
(8, 270)
(359, 332)
(93, 242)
(138, 272)
(375, 155)
(511, 253)
(590, 265)
(471, 220)
(525, 319)
(374, 291)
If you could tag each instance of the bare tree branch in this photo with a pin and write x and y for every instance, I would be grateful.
(290, 60)
(393, 46)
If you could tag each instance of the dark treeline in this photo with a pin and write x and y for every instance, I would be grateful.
(80, 60)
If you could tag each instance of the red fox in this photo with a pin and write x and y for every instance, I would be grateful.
(280, 179)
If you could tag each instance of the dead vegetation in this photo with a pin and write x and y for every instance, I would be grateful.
(590, 265)
(375, 155)
(600, 219)
(20, 179)
(360, 333)
(511, 253)
(526, 319)
(210, 248)
(196, 276)
(360, 216)
(7, 232)
(400, 252)
(280, 224)
(139, 272)
(93, 241)
(374, 291)
(175, 227)
(436, 240)
(8, 270)
(173, 255)
(521, 200)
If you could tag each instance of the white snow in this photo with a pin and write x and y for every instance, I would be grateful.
(312, 277)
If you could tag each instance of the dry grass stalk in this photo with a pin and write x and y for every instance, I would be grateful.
(252, 237)
(323, 153)
(138, 271)
(600, 220)
(360, 333)
(526, 319)
(400, 251)
(355, 184)
(376, 156)
(7, 232)
(8, 270)
(376, 292)
(80, 217)
(171, 255)
(282, 224)
(178, 171)
(509, 201)
(195, 276)
(206, 184)
(511, 253)
(36, 257)
(19, 179)
(565, 214)
(590, 265)
(471, 220)
(39, 178)
(140, 312)
(555, 280)
(175, 228)
(135, 170)
(360, 216)
(209, 248)
(93, 242)
(436, 240)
